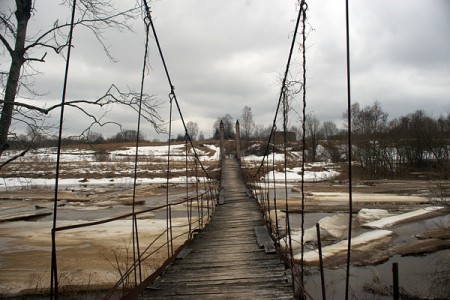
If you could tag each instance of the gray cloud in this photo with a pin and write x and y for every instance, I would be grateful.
(224, 55)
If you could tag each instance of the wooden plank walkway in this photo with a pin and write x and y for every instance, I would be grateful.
(225, 261)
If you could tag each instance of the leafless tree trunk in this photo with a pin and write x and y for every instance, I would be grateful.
(330, 131)
(192, 129)
(23, 14)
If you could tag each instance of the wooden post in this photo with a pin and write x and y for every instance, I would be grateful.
(238, 141)
(222, 141)
(396, 286)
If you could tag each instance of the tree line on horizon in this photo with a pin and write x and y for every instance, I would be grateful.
(380, 147)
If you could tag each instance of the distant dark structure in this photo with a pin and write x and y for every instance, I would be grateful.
(278, 137)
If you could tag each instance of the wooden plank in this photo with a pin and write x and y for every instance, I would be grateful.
(264, 240)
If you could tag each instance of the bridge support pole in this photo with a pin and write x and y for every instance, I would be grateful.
(222, 141)
(238, 141)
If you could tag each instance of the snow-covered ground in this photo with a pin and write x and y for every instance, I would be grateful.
(314, 172)
(81, 167)
(295, 175)
(118, 165)
(177, 152)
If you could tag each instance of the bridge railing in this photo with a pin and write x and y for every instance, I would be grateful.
(159, 234)
(272, 197)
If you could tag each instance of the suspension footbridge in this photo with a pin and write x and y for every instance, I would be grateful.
(200, 238)
(233, 254)
(225, 258)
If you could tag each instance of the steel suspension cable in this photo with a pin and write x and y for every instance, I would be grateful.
(196, 193)
(168, 219)
(349, 146)
(275, 194)
(286, 72)
(301, 15)
(268, 191)
(288, 222)
(302, 271)
(54, 269)
(189, 204)
(135, 236)
(172, 87)
(172, 97)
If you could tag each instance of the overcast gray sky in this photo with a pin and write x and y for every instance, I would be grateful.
(224, 55)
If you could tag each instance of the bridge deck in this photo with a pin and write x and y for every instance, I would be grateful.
(224, 260)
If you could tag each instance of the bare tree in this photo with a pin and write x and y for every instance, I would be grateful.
(261, 132)
(292, 88)
(23, 51)
(247, 124)
(192, 129)
(330, 131)
(421, 141)
(369, 128)
(312, 134)
(228, 127)
(201, 136)
(95, 138)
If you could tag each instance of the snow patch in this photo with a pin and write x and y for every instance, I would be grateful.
(295, 174)
(333, 227)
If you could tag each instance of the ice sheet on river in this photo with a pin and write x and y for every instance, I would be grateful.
(403, 218)
(363, 242)
(332, 227)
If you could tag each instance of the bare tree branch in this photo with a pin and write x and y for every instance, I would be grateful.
(96, 25)
(5, 20)
(112, 96)
(42, 59)
(7, 46)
